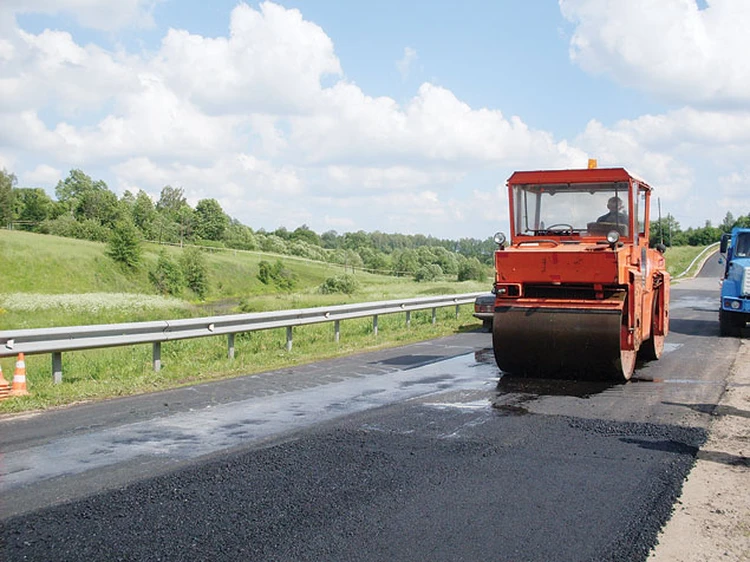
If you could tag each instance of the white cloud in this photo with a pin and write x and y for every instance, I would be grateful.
(272, 62)
(50, 69)
(670, 47)
(734, 192)
(97, 14)
(356, 180)
(253, 119)
(435, 126)
(404, 65)
(6, 163)
(234, 180)
(42, 175)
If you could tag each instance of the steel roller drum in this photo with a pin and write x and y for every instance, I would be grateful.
(553, 342)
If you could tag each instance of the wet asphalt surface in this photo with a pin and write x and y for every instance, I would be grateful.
(424, 452)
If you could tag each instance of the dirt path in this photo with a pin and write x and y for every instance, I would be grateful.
(711, 521)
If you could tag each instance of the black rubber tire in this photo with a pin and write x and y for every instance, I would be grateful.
(730, 323)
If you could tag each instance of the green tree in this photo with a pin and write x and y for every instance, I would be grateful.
(195, 271)
(171, 200)
(125, 244)
(304, 234)
(471, 269)
(211, 221)
(704, 236)
(7, 183)
(330, 240)
(31, 206)
(144, 213)
(85, 198)
(240, 236)
(447, 261)
(728, 223)
(356, 240)
(667, 231)
(429, 272)
(405, 262)
(374, 260)
(73, 187)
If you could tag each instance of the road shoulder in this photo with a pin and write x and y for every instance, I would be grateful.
(711, 519)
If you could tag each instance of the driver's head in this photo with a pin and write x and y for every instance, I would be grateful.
(614, 204)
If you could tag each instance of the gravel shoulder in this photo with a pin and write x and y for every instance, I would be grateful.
(711, 519)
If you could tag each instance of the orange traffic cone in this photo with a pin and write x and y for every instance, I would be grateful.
(19, 378)
(4, 385)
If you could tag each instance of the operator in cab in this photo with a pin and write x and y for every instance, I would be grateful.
(615, 214)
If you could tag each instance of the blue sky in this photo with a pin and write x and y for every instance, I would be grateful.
(396, 116)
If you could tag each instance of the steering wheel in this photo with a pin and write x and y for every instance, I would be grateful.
(560, 228)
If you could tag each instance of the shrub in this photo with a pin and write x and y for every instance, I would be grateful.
(69, 227)
(124, 244)
(347, 284)
(430, 272)
(167, 276)
(277, 274)
(273, 244)
(471, 269)
(195, 271)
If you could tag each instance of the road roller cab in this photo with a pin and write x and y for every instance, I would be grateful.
(578, 290)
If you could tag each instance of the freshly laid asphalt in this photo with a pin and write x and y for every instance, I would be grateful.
(412, 481)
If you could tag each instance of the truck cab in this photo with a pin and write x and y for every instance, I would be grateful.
(734, 308)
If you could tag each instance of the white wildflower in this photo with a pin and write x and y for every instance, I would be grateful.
(88, 302)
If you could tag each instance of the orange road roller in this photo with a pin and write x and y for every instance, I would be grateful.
(578, 290)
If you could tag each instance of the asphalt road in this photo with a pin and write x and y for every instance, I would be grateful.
(418, 453)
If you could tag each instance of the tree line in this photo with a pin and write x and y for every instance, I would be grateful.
(668, 231)
(87, 209)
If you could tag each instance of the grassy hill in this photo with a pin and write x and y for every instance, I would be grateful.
(35, 264)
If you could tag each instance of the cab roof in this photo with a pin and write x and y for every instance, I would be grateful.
(586, 175)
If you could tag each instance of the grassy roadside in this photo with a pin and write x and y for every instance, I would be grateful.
(678, 259)
(63, 282)
(107, 373)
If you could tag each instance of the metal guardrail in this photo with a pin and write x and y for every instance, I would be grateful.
(75, 338)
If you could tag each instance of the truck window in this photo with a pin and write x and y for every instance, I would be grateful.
(743, 245)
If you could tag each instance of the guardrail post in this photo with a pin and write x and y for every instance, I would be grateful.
(230, 345)
(408, 318)
(157, 356)
(288, 338)
(337, 330)
(434, 316)
(375, 324)
(57, 367)
(458, 306)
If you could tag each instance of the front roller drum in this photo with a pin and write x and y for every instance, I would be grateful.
(561, 342)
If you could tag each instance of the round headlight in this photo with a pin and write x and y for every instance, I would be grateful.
(500, 238)
(613, 236)
(735, 305)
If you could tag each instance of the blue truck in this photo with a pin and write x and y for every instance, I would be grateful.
(734, 311)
